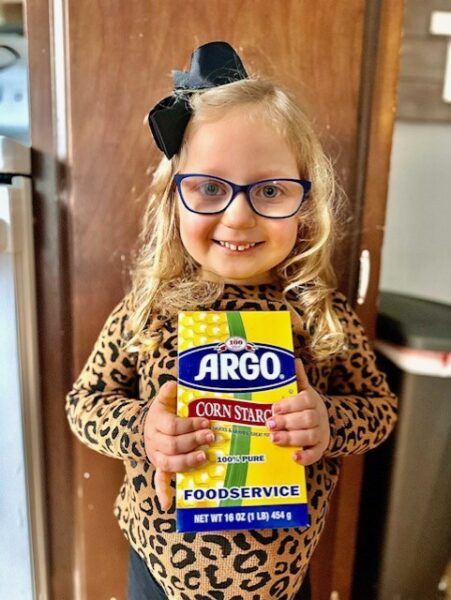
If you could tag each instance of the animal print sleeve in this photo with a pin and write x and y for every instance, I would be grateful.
(103, 408)
(362, 409)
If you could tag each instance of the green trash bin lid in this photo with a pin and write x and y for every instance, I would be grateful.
(414, 322)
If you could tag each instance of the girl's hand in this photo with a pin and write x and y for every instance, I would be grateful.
(301, 420)
(173, 443)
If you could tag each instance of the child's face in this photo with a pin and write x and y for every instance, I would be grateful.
(243, 151)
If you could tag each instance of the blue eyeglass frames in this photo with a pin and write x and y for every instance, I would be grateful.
(277, 198)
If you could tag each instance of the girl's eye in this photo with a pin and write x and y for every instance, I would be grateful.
(269, 191)
(211, 188)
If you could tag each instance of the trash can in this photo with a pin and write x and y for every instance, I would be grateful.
(404, 541)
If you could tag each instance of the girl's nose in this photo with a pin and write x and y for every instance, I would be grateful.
(239, 215)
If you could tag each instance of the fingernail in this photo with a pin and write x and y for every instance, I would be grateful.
(275, 437)
(205, 424)
(209, 438)
(271, 424)
(201, 456)
(297, 456)
(276, 409)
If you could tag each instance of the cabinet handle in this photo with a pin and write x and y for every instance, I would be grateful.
(364, 281)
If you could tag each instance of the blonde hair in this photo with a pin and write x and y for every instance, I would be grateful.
(165, 279)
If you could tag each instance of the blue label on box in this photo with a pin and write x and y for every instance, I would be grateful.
(242, 517)
(254, 368)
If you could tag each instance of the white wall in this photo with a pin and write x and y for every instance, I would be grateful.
(416, 257)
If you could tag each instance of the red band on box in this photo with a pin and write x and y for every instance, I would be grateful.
(231, 411)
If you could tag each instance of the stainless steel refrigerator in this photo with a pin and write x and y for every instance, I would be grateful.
(23, 565)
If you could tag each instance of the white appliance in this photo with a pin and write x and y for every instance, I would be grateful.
(23, 565)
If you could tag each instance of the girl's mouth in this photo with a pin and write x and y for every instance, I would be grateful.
(239, 246)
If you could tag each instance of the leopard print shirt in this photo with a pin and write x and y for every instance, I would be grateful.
(107, 408)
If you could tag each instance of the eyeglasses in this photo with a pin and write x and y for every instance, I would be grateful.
(271, 198)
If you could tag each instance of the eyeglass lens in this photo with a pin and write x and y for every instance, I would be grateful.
(275, 198)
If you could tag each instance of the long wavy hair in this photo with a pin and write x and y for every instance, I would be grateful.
(165, 278)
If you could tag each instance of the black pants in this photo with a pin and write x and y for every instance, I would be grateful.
(142, 585)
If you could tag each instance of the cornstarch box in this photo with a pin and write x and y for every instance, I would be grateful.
(232, 367)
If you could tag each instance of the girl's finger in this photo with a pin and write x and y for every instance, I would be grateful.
(302, 401)
(308, 456)
(306, 437)
(179, 462)
(170, 424)
(166, 399)
(306, 419)
(163, 488)
(164, 411)
(303, 382)
(182, 444)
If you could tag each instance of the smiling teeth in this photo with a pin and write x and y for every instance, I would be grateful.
(239, 248)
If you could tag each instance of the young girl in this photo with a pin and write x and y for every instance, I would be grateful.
(240, 218)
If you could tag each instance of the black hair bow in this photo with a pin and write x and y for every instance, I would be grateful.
(212, 65)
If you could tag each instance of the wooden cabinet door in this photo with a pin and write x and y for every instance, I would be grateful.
(95, 70)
